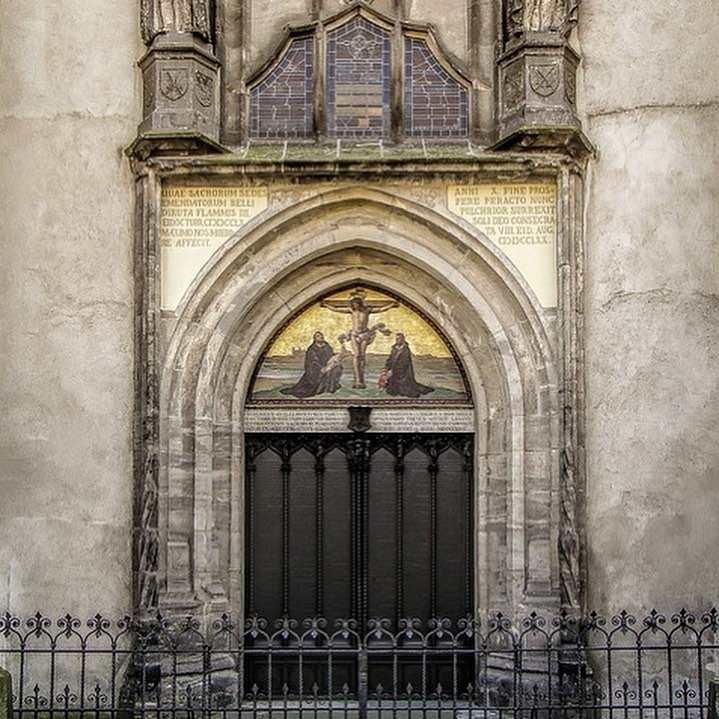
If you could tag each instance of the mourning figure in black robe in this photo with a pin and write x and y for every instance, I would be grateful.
(322, 370)
(399, 372)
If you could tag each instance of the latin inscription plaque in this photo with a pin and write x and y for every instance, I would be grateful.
(336, 419)
(194, 222)
(520, 219)
(285, 419)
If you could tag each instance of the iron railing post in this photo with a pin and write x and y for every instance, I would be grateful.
(362, 680)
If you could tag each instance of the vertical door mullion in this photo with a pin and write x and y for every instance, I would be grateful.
(358, 456)
(319, 529)
(399, 531)
(286, 471)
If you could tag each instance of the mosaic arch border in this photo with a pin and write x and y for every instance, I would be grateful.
(175, 409)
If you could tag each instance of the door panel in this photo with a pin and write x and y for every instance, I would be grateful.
(336, 559)
(382, 518)
(417, 539)
(302, 535)
(358, 526)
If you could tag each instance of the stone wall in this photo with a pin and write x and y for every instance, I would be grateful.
(652, 311)
(70, 103)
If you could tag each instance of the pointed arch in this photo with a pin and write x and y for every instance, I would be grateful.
(263, 276)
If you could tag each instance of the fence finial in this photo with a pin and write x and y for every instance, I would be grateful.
(5, 694)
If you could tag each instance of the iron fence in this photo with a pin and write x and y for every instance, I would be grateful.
(498, 667)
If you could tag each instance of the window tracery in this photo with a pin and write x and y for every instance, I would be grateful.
(281, 103)
(358, 80)
(435, 103)
(368, 90)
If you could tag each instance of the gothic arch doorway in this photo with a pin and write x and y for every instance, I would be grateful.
(207, 409)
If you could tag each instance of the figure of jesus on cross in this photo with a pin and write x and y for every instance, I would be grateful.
(361, 334)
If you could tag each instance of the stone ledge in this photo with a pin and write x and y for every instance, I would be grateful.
(547, 138)
(173, 144)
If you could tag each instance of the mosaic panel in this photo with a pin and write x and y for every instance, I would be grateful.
(435, 103)
(281, 105)
(359, 345)
(358, 80)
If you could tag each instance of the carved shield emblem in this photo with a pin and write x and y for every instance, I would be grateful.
(513, 86)
(544, 79)
(203, 88)
(174, 84)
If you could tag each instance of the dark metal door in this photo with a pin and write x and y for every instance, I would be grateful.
(359, 526)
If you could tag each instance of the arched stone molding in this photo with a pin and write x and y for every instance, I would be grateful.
(263, 276)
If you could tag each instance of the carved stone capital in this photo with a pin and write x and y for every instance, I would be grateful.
(180, 87)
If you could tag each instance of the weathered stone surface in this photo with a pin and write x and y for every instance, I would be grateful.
(180, 87)
(647, 54)
(71, 101)
(66, 318)
(47, 74)
(652, 307)
(5, 694)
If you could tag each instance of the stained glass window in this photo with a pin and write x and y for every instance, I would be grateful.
(435, 103)
(358, 80)
(281, 104)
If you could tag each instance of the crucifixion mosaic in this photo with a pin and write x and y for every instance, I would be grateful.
(359, 344)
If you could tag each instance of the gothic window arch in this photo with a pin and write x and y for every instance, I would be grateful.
(359, 76)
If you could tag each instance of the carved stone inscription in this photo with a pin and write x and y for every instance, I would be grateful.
(284, 419)
(336, 419)
(522, 221)
(435, 419)
(195, 221)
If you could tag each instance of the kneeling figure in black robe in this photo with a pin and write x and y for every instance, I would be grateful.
(321, 375)
(400, 372)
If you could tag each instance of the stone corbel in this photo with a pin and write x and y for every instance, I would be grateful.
(181, 80)
(537, 78)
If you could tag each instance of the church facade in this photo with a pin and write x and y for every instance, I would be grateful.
(359, 308)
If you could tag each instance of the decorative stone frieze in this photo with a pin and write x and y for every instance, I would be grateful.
(181, 87)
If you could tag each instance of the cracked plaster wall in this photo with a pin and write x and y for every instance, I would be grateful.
(650, 104)
(68, 105)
